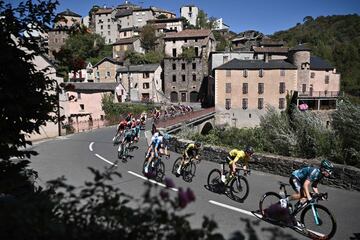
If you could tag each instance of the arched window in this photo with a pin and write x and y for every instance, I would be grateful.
(194, 96)
(174, 97)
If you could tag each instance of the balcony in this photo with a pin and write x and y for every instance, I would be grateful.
(319, 94)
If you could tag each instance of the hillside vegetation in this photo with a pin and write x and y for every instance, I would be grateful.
(334, 38)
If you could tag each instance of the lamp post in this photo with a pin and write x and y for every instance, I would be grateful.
(58, 106)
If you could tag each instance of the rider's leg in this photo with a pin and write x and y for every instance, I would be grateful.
(178, 171)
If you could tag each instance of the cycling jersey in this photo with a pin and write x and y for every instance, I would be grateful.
(308, 173)
(191, 151)
(129, 135)
(235, 155)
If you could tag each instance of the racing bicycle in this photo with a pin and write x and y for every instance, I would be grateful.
(188, 169)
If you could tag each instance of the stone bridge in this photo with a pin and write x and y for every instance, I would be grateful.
(202, 121)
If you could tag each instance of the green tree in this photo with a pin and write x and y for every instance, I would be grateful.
(188, 53)
(25, 101)
(148, 37)
(201, 20)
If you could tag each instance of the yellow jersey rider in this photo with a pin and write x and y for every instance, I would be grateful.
(235, 155)
(191, 151)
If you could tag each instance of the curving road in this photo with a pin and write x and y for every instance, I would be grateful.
(71, 155)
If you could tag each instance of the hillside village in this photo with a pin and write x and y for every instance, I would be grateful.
(238, 74)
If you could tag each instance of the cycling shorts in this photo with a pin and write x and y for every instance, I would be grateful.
(295, 184)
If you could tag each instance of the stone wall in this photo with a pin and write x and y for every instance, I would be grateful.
(345, 177)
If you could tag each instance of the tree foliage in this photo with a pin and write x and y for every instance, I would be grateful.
(148, 37)
(334, 38)
(147, 58)
(80, 48)
(188, 53)
(25, 101)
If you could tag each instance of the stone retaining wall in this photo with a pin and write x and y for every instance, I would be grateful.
(345, 177)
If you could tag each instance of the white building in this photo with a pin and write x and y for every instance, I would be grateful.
(220, 25)
(190, 12)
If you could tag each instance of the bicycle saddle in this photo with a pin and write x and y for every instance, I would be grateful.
(283, 184)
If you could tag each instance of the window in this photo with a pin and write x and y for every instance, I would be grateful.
(184, 40)
(245, 73)
(227, 104)
(183, 66)
(282, 88)
(174, 66)
(82, 107)
(228, 87)
(109, 21)
(108, 74)
(228, 73)
(225, 59)
(78, 95)
(108, 27)
(281, 103)
(245, 88)
(196, 51)
(327, 77)
(108, 32)
(183, 77)
(173, 41)
(260, 103)
(174, 78)
(146, 75)
(282, 72)
(125, 34)
(260, 88)
(146, 85)
(194, 77)
(101, 27)
(193, 66)
(304, 88)
(244, 103)
(174, 52)
(261, 73)
(312, 75)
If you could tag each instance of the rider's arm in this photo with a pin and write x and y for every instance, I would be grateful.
(307, 184)
(314, 187)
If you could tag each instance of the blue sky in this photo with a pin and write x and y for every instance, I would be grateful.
(266, 16)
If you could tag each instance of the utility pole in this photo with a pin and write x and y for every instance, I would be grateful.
(58, 106)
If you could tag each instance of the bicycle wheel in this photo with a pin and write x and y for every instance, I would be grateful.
(239, 188)
(176, 165)
(214, 180)
(160, 171)
(326, 226)
(189, 171)
(120, 151)
(267, 200)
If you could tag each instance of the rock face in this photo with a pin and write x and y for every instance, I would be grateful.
(345, 177)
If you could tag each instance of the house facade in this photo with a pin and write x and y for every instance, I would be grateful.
(190, 12)
(105, 25)
(243, 88)
(167, 25)
(127, 44)
(105, 70)
(145, 82)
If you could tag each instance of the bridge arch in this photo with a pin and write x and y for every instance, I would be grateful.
(206, 128)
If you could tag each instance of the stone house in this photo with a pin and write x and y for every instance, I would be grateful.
(123, 45)
(243, 88)
(105, 25)
(145, 82)
(167, 25)
(183, 77)
(57, 36)
(105, 70)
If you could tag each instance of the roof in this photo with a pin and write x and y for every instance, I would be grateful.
(67, 12)
(106, 59)
(301, 47)
(90, 86)
(125, 41)
(270, 49)
(164, 20)
(270, 42)
(189, 33)
(317, 63)
(128, 5)
(138, 68)
(103, 11)
(123, 12)
(235, 64)
(156, 9)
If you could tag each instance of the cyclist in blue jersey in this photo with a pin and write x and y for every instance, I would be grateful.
(303, 178)
(158, 145)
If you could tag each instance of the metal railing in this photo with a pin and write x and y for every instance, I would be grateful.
(319, 94)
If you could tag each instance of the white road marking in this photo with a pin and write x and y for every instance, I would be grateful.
(90, 146)
(232, 208)
(105, 160)
(150, 180)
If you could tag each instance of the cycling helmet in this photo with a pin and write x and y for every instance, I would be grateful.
(198, 144)
(249, 150)
(327, 166)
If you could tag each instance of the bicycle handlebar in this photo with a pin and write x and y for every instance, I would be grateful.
(319, 196)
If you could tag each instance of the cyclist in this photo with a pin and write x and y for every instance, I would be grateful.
(303, 178)
(234, 156)
(128, 138)
(153, 150)
(136, 127)
(191, 151)
(120, 129)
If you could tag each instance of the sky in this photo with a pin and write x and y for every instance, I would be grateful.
(266, 16)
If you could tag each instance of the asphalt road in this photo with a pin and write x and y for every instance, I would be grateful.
(71, 155)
